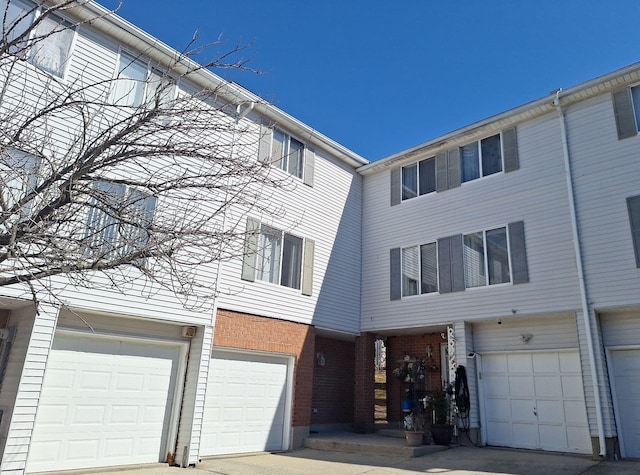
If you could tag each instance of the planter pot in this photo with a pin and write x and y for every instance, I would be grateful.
(414, 439)
(441, 433)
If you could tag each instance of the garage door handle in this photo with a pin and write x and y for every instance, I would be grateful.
(535, 412)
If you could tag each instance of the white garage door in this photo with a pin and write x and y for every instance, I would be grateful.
(626, 378)
(246, 404)
(104, 402)
(535, 401)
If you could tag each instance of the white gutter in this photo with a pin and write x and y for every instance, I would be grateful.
(583, 288)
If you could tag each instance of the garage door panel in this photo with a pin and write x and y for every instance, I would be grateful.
(539, 411)
(497, 385)
(246, 410)
(626, 378)
(103, 408)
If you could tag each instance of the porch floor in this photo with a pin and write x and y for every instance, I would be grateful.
(382, 442)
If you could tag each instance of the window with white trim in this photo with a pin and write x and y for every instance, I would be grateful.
(486, 258)
(52, 38)
(119, 219)
(287, 153)
(481, 158)
(20, 173)
(279, 257)
(137, 83)
(419, 269)
(419, 178)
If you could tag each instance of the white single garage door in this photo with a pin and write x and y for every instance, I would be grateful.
(535, 401)
(104, 402)
(246, 405)
(626, 379)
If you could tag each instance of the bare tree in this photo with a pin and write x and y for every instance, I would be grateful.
(109, 180)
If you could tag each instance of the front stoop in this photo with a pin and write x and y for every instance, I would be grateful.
(368, 444)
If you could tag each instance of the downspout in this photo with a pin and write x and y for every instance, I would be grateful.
(581, 280)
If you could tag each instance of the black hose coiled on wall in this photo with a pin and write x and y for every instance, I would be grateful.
(462, 392)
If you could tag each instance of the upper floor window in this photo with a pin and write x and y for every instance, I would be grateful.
(287, 153)
(119, 219)
(136, 83)
(278, 257)
(51, 39)
(419, 178)
(633, 207)
(481, 158)
(419, 270)
(486, 258)
(20, 176)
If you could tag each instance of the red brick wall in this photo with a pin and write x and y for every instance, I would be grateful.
(364, 393)
(416, 347)
(250, 332)
(333, 382)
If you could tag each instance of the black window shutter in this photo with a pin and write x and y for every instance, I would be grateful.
(510, 147)
(450, 264)
(518, 249)
(623, 111)
(442, 176)
(395, 274)
(454, 168)
(396, 177)
(633, 205)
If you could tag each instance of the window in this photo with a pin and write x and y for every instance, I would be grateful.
(633, 206)
(128, 89)
(482, 158)
(19, 18)
(20, 174)
(275, 256)
(486, 258)
(279, 257)
(419, 178)
(287, 153)
(119, 219)
(419, 270)
(51, 54)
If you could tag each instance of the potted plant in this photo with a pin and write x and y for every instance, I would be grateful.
(414, 428)
(442, 427)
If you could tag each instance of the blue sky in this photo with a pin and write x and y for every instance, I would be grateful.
(381, 76)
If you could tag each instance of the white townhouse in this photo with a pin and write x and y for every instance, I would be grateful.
(510, 247)
(97, 378)
(519, 236)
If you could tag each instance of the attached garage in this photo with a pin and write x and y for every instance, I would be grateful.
(248, 403)
(624, 367)
(534, 400)
(106, 401)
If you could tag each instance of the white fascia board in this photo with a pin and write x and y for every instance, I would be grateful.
(138, 40)
(593, 87)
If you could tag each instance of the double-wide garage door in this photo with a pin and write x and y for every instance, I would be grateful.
(246, 404)
(535, 401)
(104, 401)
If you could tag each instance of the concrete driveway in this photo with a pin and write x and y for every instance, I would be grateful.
(455, 461)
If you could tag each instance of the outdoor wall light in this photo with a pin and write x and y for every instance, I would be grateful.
(320, 360)
(524, 338)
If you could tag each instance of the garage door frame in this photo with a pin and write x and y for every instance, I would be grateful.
(480, 386)
(614, 394)
(183, 347)
(289, 389)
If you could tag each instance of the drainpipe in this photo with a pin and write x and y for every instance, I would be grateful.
(581, 280)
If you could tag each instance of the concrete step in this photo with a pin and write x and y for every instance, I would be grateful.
(369, 444)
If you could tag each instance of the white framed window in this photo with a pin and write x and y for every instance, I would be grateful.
(419, 269)
(137, 83)
(119, 219)
(20, 175)
(52, 38)
(52, 52)
(19, 16)
(419, 178)
(279, 257)
(481, 158)
(287, 153)
(486, 258)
